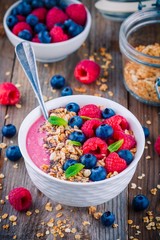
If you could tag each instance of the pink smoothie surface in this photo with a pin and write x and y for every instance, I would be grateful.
(34, 144)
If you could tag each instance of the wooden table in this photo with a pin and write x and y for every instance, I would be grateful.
(104, 33)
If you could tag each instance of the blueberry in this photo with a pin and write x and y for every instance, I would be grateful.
(140, 202)
(8, 130)
(77, 136)
(32, 19)
(63, 4)
(98, 173)
(24, 8)
(104, 131)
(11, 21)
(40, 27)
(89, 160)
(72, 107)
(37, 3)
(146, 131)
(73, 28)
(57, 81)
(50, 3)
(107, 113)
(14, 11)
(75, 121)
(126, 155)
(68, 163)
(44, 37)
(60, 25)
(66, 91)
(107, 218)
(25, 34)
(13, 153)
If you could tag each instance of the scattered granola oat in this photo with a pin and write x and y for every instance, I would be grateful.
(12, 218)
(153, 191)
(48, 207)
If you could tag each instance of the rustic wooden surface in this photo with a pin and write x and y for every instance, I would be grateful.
(104, 33)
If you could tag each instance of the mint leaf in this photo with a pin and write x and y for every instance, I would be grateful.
(54, 120)
(73, 170)
(115, 146)
(75, 143)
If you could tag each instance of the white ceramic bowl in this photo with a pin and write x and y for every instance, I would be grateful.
(51, 52)
(73, 193)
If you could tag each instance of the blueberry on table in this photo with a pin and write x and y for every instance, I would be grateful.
(107, 113)
(88, 160)
(66, 91)
(146, 131)
(126, 155)
(104, 131)
(140, 202)
(107, 219)
(68, 163)
(11, 21)
(98, 173)
(8, 130)
(77, 136)
(25, 34)
(57, 81)
(72, 107)
(75, 121)
(13, 153)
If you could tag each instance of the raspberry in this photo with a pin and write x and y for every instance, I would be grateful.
(20, 26)
(40, 13)
(36, 39)
(95, 146)
(89, 127)
(9, 94)
(20, 198)
(114, 163)
(90, 110)
(55, 15)
(157, 145)
(129, 140)
(77, 13)
(87, 71)
(58, 35)
(117, 122)
(21, 18)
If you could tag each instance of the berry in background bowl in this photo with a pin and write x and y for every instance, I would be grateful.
(99, 161)
(54, 29)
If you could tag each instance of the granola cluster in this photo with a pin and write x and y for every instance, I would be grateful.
(141, 79)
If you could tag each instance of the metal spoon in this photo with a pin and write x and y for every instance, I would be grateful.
(26, 57)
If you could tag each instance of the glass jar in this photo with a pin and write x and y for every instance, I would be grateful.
(140, 47)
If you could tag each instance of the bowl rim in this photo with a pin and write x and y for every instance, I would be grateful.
(38, 113)
(61, 44)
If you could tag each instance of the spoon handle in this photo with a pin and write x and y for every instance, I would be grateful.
(26, 57)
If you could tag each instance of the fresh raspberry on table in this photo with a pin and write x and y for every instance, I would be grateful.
(77, 13)
(157, 145)
(90, 110)
(129, 140)
(89, 127)
(20, 198)
(87, 71)
(95, 146)
(21, 18)
(9, 94)
(114, 163)
(57, 34)
(117, 122)
(20, 26)
(55, 15)
(40, 13)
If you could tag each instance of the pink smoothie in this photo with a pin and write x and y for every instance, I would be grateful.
(34, 144)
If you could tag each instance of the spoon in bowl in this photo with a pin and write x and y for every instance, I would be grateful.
(26, 57)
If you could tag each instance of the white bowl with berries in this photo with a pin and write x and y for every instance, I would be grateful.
(55, 29)
(86, 153)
